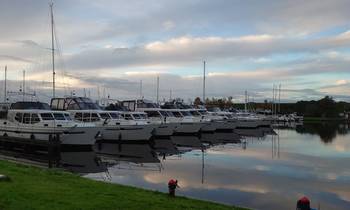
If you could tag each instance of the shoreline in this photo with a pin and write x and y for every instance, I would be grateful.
(33, 187)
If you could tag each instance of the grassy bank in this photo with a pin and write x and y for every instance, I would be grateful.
(35, 188)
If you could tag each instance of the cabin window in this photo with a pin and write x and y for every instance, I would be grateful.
(195, 113)
(153, 114)
(72, 105)
(105, 116)
(35, 119)
(184, 113)
(143, 116)
(26, 118)
(59, 116)
(67, 116)
(170, 114)
(78, 116)
(177, 114)
(114, 115)
(61, 103)
(54, 104)
(86, 117)
(18, 117)
(94, 117)
(128, 117)
(46, 116)
(164, 113)
(136, 116)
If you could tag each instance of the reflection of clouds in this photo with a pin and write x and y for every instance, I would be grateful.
(262, 168)
(342, 144)
(253, 178)
(257, 181)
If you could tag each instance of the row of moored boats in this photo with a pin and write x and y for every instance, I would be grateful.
(80, 121)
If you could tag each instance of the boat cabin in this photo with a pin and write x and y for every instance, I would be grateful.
(133, 105)
(73, 103)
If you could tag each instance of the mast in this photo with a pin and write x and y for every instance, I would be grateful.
(245, 101)
(279, 99)
(5, 91)
(141, 89)
(273, 100)
(204, 82)
(52, 51)
(24, 84)
(157, 89)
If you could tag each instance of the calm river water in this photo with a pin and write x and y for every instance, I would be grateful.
(265, 169)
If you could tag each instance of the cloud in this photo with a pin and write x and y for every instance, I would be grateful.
(246, 47)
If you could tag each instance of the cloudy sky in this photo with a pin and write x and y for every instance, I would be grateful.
(113, 44)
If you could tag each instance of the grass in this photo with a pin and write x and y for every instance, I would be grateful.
(36, 188)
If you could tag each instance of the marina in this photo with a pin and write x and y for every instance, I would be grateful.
(174, 105)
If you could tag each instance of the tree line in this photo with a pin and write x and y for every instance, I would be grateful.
(325, 107)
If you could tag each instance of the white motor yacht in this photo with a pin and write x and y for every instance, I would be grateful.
(36, 122)
(115, 127)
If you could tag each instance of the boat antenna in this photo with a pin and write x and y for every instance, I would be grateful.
(204, 82)
(5, 91)
(52, 50)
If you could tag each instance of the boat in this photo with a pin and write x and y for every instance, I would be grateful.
(35, 121)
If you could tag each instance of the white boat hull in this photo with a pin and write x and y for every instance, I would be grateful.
(128, 132)
(165, 129)
(188, 128)
(68, 136)
(224, 125)
(208, 127)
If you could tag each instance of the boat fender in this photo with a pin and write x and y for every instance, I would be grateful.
(32, 137)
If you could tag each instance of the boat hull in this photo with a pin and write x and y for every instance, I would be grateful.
(127, 133)
(187, 128)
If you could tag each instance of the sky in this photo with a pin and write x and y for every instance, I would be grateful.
(109, 46)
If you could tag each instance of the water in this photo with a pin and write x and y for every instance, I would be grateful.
(264, 170)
